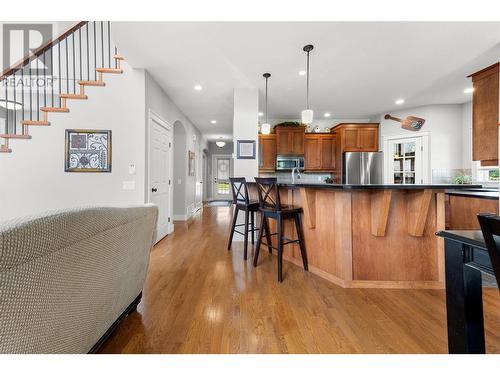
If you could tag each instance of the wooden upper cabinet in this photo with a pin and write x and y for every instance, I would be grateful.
(485, 115)
(289, 140)
(357, 137)
(267, 152)
(319, 152)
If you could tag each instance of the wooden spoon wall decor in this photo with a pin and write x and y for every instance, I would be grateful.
(409, 123)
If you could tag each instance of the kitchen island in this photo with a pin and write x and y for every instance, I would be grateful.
(370, 236)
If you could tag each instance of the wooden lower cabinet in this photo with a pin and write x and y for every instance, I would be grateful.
(267, 153)
(319, 152)
(461, 211)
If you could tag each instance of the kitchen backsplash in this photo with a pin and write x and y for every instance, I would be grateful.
(304, 176)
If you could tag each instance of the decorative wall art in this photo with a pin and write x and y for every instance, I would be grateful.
(88, 150)
(191, 158)
(245, 149)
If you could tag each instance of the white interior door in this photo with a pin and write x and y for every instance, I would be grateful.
(221, 166)
(160, 174)
(404, 161)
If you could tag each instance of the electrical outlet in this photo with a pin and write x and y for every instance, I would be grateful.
(128, 185)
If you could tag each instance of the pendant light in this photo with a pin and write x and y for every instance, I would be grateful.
(265, 128)
(307, 114)
(220, 143)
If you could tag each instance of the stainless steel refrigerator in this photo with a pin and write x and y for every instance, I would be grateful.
(363, 168)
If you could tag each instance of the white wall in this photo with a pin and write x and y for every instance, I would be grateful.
(445, 126)
(467, 135)
(32, 176)
(245, 127)
(159, 102)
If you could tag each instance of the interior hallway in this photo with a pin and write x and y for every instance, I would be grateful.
(200, 298)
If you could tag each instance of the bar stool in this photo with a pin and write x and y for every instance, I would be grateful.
(242, 202)
(270, 207)
(490, 226)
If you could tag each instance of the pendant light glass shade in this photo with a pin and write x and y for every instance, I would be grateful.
(265, 128)
(307, 116)
(220, 144)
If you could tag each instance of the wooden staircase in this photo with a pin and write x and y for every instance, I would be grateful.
(83, 58)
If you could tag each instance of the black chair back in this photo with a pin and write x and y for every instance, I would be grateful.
(269, 194)
(490, 226)
(240, 190)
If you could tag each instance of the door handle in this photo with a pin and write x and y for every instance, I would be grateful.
(154, 190)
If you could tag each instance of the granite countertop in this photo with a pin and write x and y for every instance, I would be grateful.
(323, 185)
(483, 194)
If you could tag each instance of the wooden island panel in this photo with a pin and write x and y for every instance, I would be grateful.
(342, 248)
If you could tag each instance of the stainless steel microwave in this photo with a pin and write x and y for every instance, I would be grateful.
(288, 162)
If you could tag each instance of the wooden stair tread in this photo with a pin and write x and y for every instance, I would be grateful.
(54, 109)
(5, 149)
(15, 136)
(109, 70)
(35, 123)
(73, 96)
(118, 57)
(92, 83)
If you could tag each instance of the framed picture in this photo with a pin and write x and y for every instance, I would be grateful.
(245, 149)
(191, 158)
(88, 150)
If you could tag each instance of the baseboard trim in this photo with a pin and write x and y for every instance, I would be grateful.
(130, 308)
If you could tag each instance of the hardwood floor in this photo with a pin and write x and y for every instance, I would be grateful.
(200, 298)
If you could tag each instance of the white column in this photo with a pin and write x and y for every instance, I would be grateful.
(245, 127)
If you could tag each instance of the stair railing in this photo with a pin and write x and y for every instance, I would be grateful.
(43, 81)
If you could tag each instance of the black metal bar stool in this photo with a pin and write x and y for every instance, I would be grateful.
(270, 207)
(242, 202)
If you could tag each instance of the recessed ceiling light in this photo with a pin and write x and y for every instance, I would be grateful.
(327, 114)
(302, 73)
(400, 101)
(198, 87)
(469, 90)
(261, 114)
(213, 122)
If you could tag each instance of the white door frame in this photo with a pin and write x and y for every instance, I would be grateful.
(154, 117)
(425, 153)
(212, 175)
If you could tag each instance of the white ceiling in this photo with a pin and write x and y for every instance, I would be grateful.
(358, 69)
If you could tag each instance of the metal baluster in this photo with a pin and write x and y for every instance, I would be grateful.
(59, 71)
(88, 58)
(74, 77)
(67, 67)
(102, 44)
(109, 44)
(15, 103)
(52, 72)
(31, 94)
(80, 49)
(44, 81)
(37, 91)
(6, 82)
(95, 54)
(22, 89)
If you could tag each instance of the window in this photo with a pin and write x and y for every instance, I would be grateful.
(488, 175)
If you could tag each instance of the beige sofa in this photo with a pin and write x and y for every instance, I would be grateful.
(68, 277)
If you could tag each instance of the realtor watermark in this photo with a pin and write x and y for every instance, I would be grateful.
(19, 41)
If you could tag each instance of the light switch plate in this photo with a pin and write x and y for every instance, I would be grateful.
(131, 169)
(128, 185)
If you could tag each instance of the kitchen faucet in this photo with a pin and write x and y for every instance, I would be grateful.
(293, 174)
